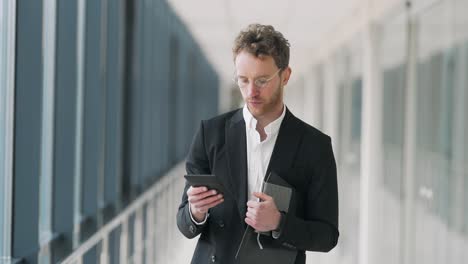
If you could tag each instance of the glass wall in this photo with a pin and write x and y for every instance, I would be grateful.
(421, 212)
(440, 199)
(421, 201)
(103, 108)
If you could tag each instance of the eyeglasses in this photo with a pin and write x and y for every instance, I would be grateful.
(261, 82)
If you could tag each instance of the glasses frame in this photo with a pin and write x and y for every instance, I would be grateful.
(260, 82)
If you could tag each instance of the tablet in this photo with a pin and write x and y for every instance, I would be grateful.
(208, 180)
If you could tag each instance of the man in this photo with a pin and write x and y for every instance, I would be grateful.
(242, 146)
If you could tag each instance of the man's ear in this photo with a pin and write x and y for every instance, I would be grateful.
(286, 74)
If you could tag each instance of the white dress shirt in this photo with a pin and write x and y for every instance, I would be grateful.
(259, 152)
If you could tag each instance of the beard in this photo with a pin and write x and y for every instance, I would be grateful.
(259, 106)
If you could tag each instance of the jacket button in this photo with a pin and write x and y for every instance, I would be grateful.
(221, 224)
(213, 258)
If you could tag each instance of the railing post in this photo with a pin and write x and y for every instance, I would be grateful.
(150, 231)
(159, 232)
(138, 228)
(124, 242)
(104, 256)
(167, 232)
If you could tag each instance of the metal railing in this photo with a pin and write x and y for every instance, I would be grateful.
(155, 236)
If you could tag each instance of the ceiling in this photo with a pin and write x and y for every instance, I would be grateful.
(215, 24)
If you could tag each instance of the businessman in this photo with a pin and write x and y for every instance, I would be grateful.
(242, 146)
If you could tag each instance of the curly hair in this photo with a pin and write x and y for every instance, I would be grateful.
(263, 40)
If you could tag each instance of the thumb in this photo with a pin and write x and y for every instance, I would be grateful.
(262, 196)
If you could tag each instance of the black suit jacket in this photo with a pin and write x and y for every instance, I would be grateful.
(302, 156)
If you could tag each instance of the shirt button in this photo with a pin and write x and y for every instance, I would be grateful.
(213, 258)
(192, 229)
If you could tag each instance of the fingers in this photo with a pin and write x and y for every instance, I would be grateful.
(197, 195)
(257, 205)
(201, 199)
(261, 215)
(207, 201)
(251, 223)
(251, 214)
(196, 190)
(204, 208)
(252, 204)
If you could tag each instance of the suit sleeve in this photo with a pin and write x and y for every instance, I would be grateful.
(197, 163)
(319, 230)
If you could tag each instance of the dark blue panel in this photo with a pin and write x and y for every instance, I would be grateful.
(93, 112)
(28, 109)
(65, 128)
(134, 100)
(114, 246)
(173, 98)
(164, 92)
(157, 88)
(113, 152)
(128, 145)
(91, 256)
(131, 235)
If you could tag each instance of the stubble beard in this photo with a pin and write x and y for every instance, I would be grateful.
(270, 105)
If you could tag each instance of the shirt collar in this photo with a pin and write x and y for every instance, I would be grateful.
(251, 122)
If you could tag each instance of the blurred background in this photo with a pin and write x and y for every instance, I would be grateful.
(99, 100)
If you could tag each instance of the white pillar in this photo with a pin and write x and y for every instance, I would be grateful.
(409, 146)
(371, 148)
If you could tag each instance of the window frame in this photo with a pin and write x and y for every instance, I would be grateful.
(48, 121)
(7, 100)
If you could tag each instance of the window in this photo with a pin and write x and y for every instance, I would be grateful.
(441, 113)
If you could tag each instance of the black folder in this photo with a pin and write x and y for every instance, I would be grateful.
(272, 252)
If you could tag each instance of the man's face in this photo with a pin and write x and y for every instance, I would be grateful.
(265, 100)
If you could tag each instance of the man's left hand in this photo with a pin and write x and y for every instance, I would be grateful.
(263, 216)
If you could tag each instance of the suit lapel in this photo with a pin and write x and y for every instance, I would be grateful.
(286, 146)
(237, 160)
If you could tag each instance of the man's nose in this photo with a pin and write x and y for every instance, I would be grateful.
(252, 89)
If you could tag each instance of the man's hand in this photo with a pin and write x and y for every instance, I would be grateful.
(201, 199)
(263, 216)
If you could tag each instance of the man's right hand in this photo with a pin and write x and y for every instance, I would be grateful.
(201, 199)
